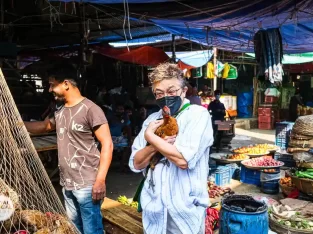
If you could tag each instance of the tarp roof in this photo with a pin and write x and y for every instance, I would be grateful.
(232, 26)
(113, 1)
(193, 58)
(294, 58)
(145, 55)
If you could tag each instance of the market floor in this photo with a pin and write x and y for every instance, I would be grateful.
(126, 183)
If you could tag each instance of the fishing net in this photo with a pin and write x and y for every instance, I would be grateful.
(24, 182)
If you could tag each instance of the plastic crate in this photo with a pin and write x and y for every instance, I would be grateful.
(265, 119)
(271, 99)
(266, 126)
(233, 168)
(250, 176)
(283, 130)
(222, 175)
(287, 159)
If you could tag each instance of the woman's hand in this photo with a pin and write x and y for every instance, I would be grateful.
(153, 126)
(170, 139)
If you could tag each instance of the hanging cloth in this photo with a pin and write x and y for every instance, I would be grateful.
(210, 70)
(233, 72)
(268, 49)
(225, 71)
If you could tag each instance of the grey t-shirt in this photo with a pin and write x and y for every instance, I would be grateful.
(79, 157)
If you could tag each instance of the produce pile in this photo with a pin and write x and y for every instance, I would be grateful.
(236, 156)
(286, 216)
(286, 182)
(211, 220)
(257, 149)
(127, 201)
(217, 191)
(305, 173)
(263, 162)
(269, 147)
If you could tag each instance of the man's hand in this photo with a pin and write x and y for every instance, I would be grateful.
(98, 191)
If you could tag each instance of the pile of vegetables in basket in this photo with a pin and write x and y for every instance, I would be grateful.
(236, 157)
(217, 191)
(307, 174)
(289, 218)
(211, 220)
(128, 202)
(286, 182)
(262, 162)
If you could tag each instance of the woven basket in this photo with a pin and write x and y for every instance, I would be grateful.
(306, 165)
(300, 143)
(300, 137)
(304, 185)
(281, 229)
(304, 125)
(286, 189)
(292, 150)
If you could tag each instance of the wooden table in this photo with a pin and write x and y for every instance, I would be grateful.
(44, 142)
(120, 219)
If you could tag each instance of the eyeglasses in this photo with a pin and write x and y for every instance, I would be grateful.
(171, 92)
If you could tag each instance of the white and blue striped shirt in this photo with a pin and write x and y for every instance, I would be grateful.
(180, 193)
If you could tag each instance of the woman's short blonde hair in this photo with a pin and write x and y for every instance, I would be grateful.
(167, 71)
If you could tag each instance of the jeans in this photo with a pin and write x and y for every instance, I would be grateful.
(82, 211)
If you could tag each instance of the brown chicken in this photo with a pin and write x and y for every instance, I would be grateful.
(168, 128)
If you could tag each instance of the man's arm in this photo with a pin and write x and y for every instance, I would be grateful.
(38, 127)
(104, 137)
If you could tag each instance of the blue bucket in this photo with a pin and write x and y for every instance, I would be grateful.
(243, 215)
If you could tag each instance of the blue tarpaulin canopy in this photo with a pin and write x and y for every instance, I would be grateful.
(232, 27)
(112, 1)
(193, 58)
(231, 24)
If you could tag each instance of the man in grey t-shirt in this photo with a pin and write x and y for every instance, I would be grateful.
(83, 169)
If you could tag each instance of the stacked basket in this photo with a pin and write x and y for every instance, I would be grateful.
(300, 145)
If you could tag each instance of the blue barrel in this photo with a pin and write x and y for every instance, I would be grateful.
(270, 182)
(242, 214)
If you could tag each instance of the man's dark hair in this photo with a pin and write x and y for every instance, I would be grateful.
(61, 71)
(216, 92)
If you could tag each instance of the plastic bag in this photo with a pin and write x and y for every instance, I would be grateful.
(265, 177)
(303, 156)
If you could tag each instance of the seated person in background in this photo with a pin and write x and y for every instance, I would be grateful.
(194, 97)
(121, 133)
(218, 112)
(293, 105)
(138, 121)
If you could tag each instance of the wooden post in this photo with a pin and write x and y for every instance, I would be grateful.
(215, 68)
(82, 52)
(173, 48)
(255, 94)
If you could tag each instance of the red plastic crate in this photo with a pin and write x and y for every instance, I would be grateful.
(267, 111)
(271, 99)
(266, 126)
(266, 119)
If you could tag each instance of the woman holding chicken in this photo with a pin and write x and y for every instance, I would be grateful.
(172, 150)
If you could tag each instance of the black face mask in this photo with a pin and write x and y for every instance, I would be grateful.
(172, 102)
